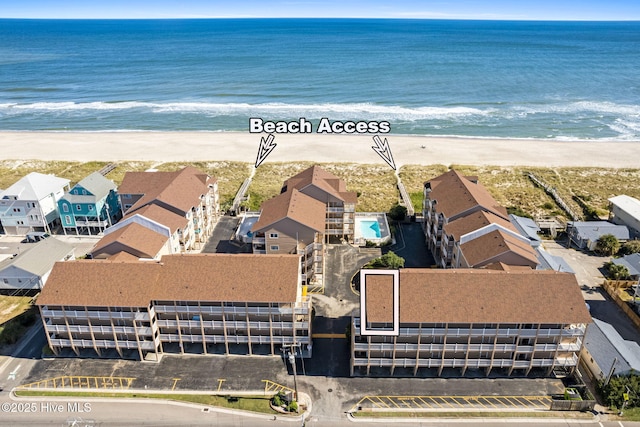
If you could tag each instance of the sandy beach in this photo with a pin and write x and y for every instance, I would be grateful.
(237, 146)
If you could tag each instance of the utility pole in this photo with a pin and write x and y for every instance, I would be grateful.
(291, 348)
(292, 360)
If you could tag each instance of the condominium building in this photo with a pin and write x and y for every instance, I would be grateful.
(164, 213)
(426, 322)
(183, 304)
(340, 204)
(293, 223)
(465, 227)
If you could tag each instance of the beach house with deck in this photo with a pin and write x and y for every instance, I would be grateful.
(92, 205)
(31, 204)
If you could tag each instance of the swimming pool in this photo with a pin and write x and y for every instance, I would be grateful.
(370, 229)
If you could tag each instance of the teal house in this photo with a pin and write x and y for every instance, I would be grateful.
(90, 206)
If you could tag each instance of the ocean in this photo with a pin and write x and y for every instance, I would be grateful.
(485, 79)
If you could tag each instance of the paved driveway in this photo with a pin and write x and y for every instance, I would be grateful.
(587, 268)
(411, 246)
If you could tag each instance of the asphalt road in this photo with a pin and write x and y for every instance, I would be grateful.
(143, 413)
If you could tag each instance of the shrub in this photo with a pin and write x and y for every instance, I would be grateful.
(607, 244)
(630, 247)
(293, 406)
(388, 260)
(398, 213)
(277, 400)
(616, 272)
(613, 392)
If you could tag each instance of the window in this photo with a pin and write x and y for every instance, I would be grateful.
(126, 196)
(67, 219)
(273, 235)
(78, 207)
(65, 208)
(91, 208)
(127, 207)
(16, 210)
(274, 247)
(84, 192)
(6, 281)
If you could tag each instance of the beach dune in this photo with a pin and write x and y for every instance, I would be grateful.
(321, 148)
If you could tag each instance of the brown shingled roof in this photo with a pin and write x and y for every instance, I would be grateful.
(379, 288)
(455, 194)
(473, 222)
(133, 238)
(493, 244)
(294, 205)
(180, 189)
(161, 215)
(200, 277)
(324, 180)
(486, 296)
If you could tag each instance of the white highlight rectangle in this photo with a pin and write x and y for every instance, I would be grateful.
(385, 331)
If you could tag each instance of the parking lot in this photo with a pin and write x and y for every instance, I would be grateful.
(325, 376)
(453, 403)
(12, 245)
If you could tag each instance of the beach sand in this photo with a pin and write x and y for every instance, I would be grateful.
(238, 146)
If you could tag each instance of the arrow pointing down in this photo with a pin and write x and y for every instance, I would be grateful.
(384, 151)
(266, 147)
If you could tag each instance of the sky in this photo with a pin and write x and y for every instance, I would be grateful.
(588, 10)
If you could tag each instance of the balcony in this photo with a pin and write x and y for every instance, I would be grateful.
(571, 360)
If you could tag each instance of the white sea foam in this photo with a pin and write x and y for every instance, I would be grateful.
(580, 107)
(310, 111)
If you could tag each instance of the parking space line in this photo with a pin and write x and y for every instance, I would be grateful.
(382, 402)
(453, 402)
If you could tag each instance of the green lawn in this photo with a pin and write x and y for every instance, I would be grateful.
(245, 403)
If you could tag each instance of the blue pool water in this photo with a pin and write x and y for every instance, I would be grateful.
(370, 229)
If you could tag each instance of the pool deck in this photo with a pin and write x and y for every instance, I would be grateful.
(381, 218)
(244, 228)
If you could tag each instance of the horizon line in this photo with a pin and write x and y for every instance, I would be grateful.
(203, 18)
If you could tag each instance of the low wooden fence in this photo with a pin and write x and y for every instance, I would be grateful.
(572, 405)
(612, 290)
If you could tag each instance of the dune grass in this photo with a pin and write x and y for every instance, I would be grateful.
(12, 170)
(375, 184)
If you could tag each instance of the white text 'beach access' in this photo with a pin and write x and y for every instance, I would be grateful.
(302, 125)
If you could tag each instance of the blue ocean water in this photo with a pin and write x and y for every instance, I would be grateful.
(558, 80)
